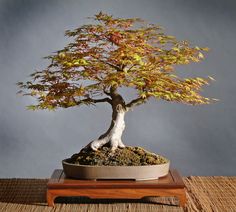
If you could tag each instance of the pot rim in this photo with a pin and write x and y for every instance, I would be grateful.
(65, 161)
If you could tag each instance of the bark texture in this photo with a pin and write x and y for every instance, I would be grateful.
(113, 135)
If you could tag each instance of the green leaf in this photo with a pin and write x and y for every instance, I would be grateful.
(137, 57)
(31, 107)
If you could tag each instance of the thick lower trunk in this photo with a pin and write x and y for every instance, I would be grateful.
(114, 133)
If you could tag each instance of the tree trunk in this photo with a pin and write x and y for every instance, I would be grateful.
(113, 135)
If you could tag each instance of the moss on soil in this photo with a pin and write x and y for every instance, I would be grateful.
(128, 156)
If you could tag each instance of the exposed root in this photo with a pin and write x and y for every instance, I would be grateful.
(113, 137)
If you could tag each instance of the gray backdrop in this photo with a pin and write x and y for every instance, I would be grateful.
(198, 140)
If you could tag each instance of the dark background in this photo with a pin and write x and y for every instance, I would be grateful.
(198, 140)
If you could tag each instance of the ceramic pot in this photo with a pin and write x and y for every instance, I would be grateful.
(147, 172)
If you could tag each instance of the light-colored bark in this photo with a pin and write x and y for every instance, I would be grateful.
(113, 135)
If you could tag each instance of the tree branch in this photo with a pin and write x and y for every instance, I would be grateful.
(135, 102)
(130, 68)
(106, 92)
(101, 100)
(110, 64)
(90, 100)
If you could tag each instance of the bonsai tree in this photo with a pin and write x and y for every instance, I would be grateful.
(116, 53)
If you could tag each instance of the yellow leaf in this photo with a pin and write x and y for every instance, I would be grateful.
(143, 95)
(200, 55)
(211, 78)
(176, 49)
(62, 55)
(205, 49)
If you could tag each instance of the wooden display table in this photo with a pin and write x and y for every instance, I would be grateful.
(168, 186)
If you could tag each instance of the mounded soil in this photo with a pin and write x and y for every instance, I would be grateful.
(128, 156)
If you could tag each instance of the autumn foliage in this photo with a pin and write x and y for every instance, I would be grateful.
(115, 53)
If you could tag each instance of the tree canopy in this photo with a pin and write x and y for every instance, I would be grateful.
(112, 53)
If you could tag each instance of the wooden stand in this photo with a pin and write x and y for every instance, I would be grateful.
(170, 185)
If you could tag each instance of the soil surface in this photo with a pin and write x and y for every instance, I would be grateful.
(128, 156)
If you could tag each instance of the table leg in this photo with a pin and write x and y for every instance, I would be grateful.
(50, 198)
(182, 198)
